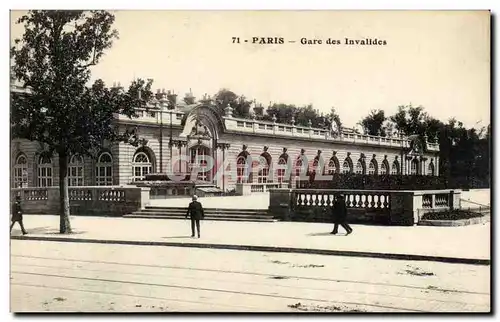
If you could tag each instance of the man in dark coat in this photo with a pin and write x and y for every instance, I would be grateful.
(339, 213)
(17, 215)
(195, 210)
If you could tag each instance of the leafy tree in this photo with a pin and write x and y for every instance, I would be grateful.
(52, 60)
(373, 124)
(240, 105)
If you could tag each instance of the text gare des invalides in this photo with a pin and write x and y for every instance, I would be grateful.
(313, 41)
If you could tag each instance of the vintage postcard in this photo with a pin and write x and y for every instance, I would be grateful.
(250, 161)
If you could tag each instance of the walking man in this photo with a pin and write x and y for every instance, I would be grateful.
(339, 213)
(195, 211)
(17, 215)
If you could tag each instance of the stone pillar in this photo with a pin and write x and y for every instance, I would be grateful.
(404, 208)
(280, 203)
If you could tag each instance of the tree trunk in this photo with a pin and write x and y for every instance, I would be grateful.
(64, 224)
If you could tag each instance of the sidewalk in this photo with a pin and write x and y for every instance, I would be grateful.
(466, 244)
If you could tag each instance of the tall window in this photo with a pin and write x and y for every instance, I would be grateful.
(44, 171)
(414, 167)
(430, 169)
(281, 169)
(332, 166)
(346, 167)
(241, 163)
(298, 170)
(395, 168)
(141, 165)
(104, 170)
(372, 168)
(75, 168)
(263, 174)
(21, 172)
(199, 158)
(384, 167)
(359, 167)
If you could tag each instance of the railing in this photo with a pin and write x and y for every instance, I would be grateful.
(264, 187)
(353, 199)
(399, 207)
(442, 200)
(110, 200)
(257, 126)
(34, 193)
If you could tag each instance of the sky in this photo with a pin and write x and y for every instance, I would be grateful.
(437, 59)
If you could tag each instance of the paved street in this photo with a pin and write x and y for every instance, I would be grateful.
(470, 242)
(52, 276)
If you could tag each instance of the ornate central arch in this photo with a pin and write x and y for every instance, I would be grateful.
(202, 129)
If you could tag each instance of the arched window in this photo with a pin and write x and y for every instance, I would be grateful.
(395, 168)
(332, 166)
(44, 171)
(359, 167)
(430, 169)
(414, 167)
(298, 167)
(372, 168)
(264, 161)
(384, 167)
(104, 170)
(346, 167)
(21, 172)
(241, 164)
(281, 169)
(200, 155)
(141, 166)
(75, 168)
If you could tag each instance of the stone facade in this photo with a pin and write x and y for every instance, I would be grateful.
(198, 130)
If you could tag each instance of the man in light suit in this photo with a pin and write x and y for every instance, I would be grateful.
(195, 211)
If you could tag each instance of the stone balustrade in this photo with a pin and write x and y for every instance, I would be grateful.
(85, 200)
(280, 129)
(153, 116)
(382, 206)
(246, 188)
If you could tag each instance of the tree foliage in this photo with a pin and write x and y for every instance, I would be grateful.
(53, 61)
(373, 124)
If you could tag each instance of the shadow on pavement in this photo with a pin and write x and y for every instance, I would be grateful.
(47, 230)
(170, 237)
(320, 234)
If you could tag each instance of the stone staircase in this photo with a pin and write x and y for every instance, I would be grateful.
(156, 212)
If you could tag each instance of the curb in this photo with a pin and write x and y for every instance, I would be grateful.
(277, 249)
(454, 223)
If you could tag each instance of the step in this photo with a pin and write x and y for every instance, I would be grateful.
(173, 211)
(183, 215)
(207, 209)
(206, 218)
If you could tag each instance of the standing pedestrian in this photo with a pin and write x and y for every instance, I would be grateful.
(195, 211)
(339, 213)
(17, 215)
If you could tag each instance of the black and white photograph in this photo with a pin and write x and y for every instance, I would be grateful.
(250, 161)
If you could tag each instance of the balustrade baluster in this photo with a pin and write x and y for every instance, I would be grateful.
(386, 201)
(316, 201)
(366, 203)
(299, 199)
